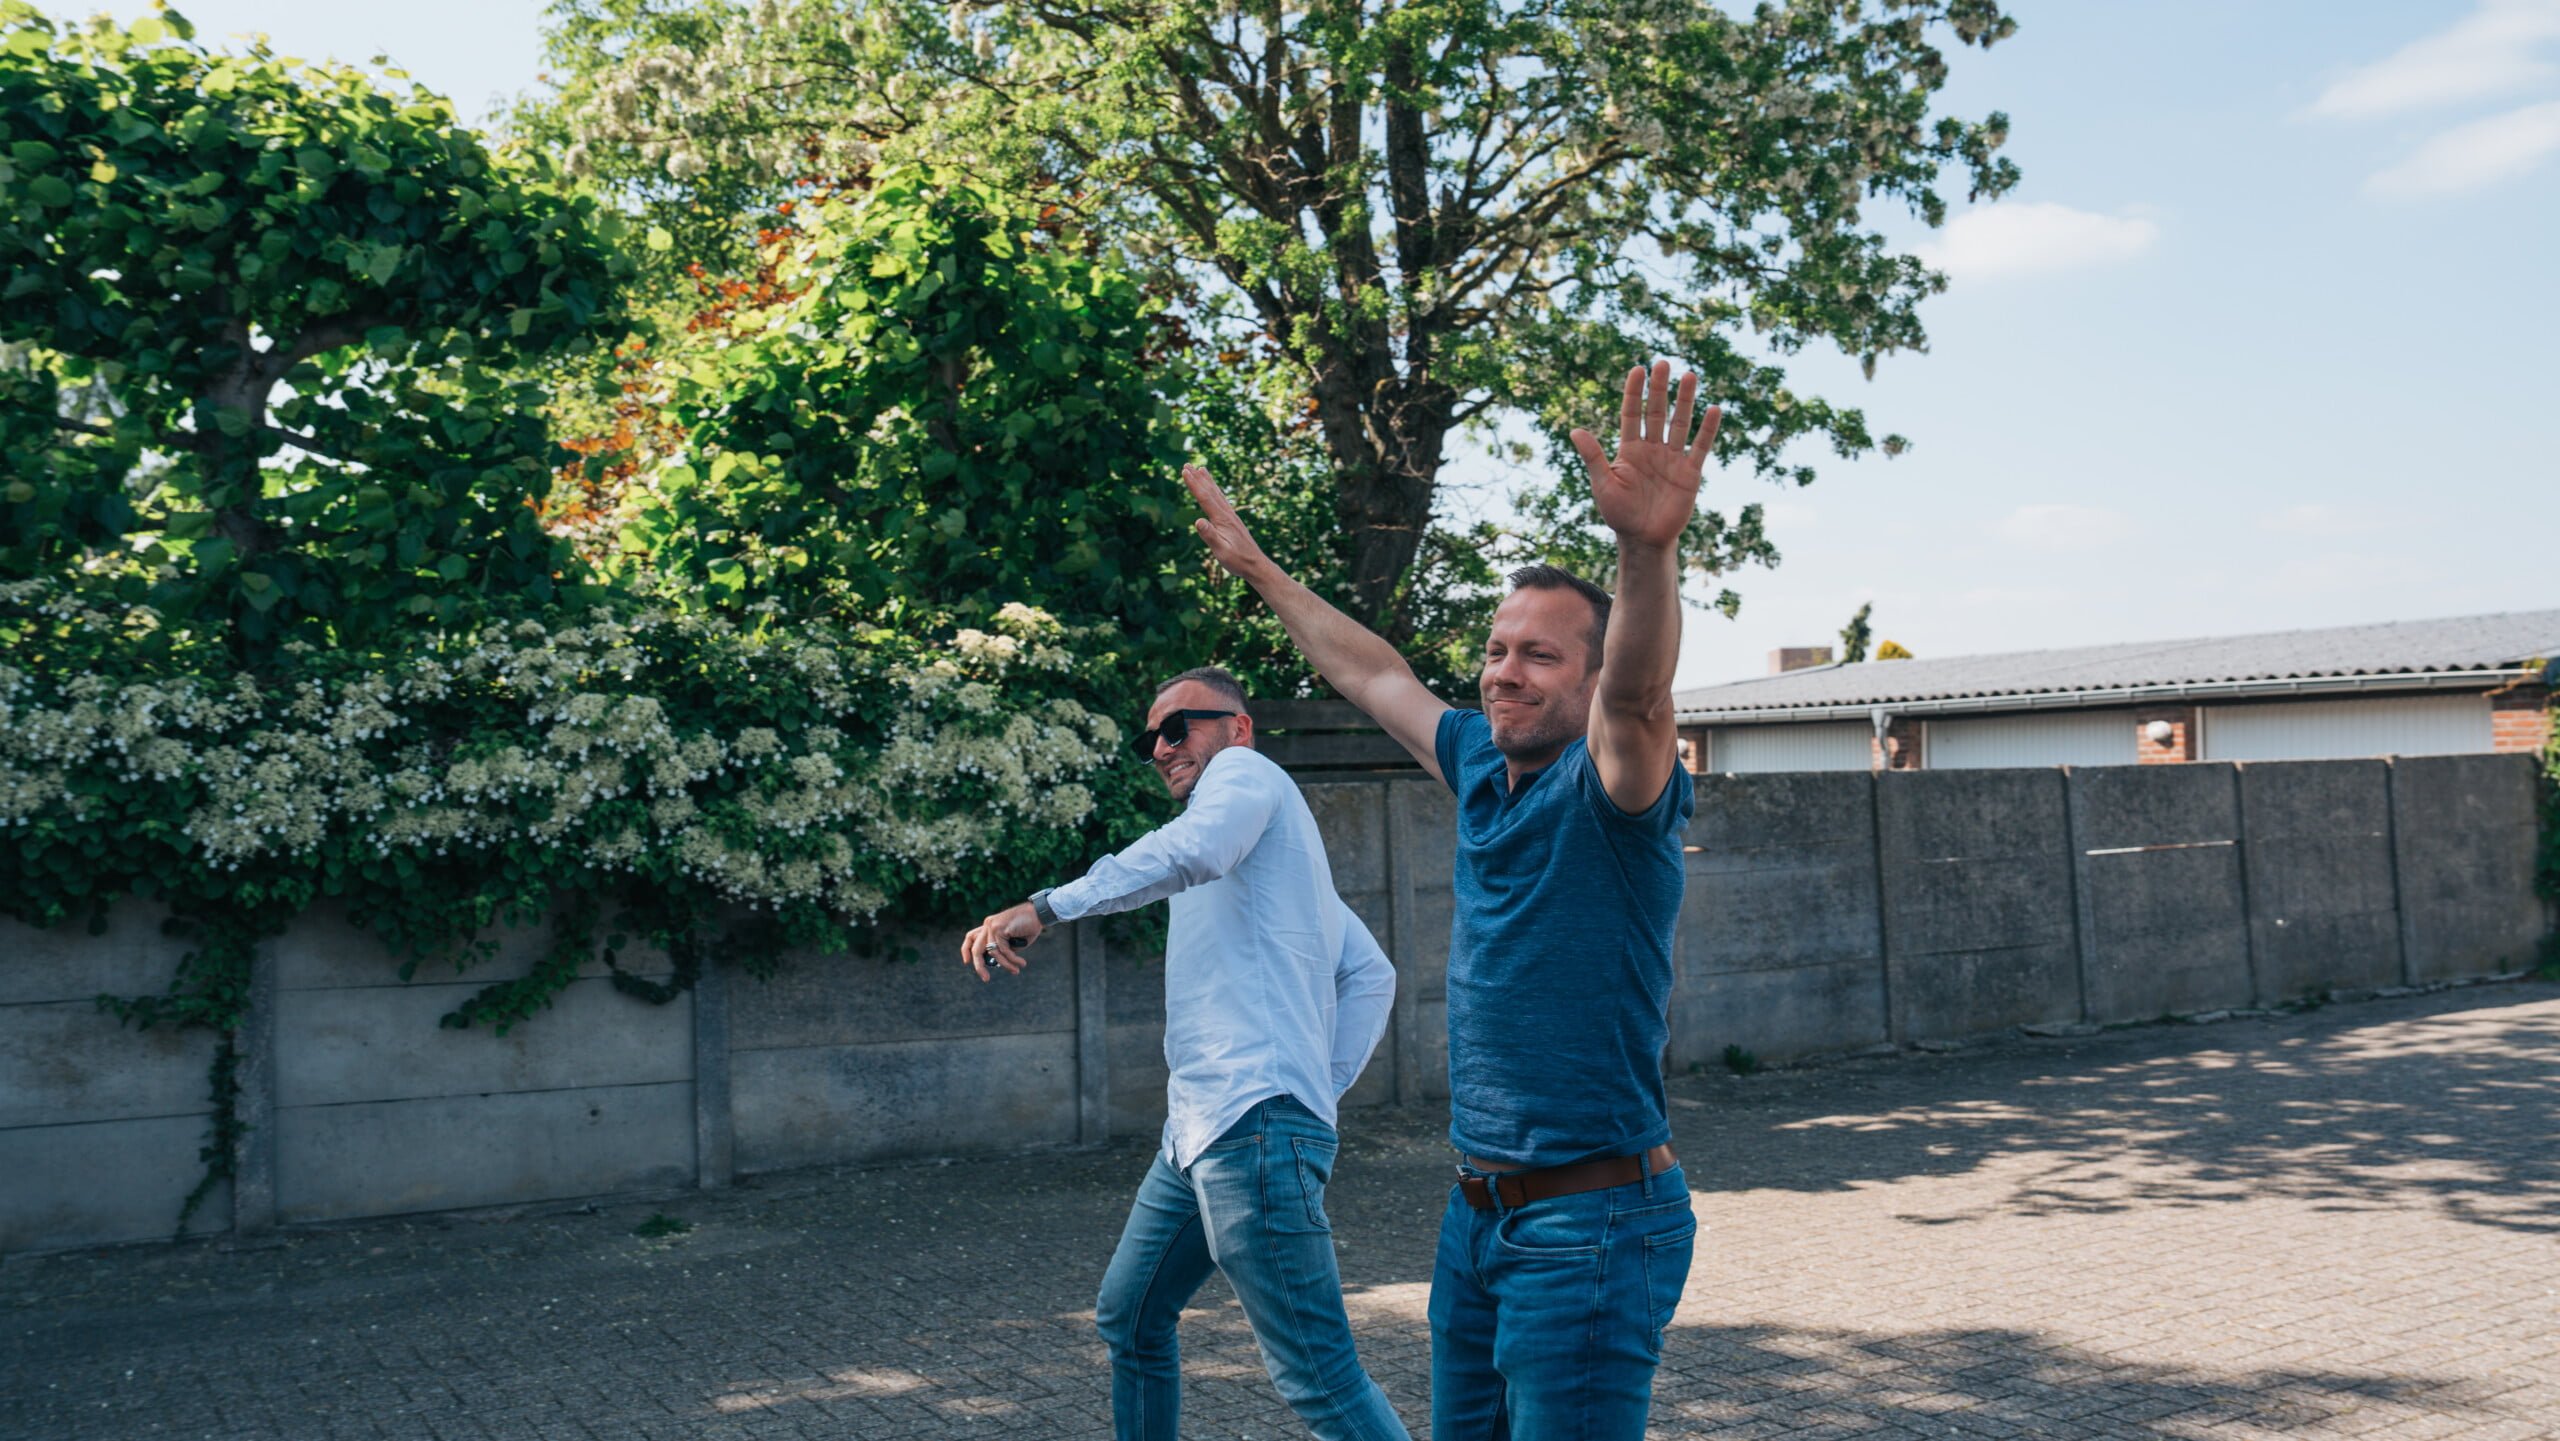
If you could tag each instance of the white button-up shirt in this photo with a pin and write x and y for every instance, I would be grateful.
(1271, 985)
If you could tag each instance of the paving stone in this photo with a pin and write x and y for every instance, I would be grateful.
(2323, 1224)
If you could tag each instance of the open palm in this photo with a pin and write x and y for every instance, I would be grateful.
(1649, 490)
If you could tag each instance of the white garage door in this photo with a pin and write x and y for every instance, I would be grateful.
(2071, 738)
(2313, 730)
(1815, 746)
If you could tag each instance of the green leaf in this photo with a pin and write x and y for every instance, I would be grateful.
(50, 190)
(660, 239)
(453, 567)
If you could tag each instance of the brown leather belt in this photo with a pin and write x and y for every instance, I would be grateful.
(1519, 1188)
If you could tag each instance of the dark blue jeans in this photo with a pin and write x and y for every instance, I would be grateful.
(1251, 1206)
(1546, 1319)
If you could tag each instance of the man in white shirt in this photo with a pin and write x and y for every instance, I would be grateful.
(1275, 994)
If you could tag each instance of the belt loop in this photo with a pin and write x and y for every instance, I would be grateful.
(1644, 1167)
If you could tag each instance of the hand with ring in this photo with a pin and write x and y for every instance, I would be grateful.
(999, 940)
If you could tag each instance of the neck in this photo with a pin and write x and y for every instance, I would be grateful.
(1529, 763)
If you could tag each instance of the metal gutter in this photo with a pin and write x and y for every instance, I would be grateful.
(2120, 695)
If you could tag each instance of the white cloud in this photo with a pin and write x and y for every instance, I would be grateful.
(2488, 52)
(2065, 527)
(2467, 157)
(2018, 239)
(2324, 522)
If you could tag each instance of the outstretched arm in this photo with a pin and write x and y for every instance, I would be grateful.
(1351, 657)
(1646, 494)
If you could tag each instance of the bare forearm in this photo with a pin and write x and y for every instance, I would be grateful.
(1351, 657)
(1644, 633)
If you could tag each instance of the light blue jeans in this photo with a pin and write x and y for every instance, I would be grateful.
(1547, 1319)
(1251, 1206)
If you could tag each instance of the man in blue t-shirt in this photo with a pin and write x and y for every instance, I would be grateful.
(1566, 1240)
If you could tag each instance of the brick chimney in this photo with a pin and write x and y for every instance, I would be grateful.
(1798, 657)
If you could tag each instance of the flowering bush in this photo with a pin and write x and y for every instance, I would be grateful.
(806, 771)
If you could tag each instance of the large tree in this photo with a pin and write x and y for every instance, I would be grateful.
(1429, 212)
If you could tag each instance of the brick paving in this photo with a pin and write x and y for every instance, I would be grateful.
(2343, 1223)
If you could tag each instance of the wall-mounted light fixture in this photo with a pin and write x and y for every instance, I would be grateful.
(2160, 732)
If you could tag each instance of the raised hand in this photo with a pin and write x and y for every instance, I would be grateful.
(1649, 491)
(1230, 542)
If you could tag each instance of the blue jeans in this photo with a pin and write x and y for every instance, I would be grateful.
(1251, 1206)
(1546, 1319)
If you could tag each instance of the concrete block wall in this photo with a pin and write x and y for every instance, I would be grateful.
(1780, 948)
(99, 1124)
(1977, 901)
(376, 1109)
(1825, 912)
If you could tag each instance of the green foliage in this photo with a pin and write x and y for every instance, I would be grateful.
(661, 1226)
(1741, 1062)
(943, 404)
(266, 329)
(281, 619)
(1432, 214)
(1855, 636)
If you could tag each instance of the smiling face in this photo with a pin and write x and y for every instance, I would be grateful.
(1180, 766)
(1538, 675)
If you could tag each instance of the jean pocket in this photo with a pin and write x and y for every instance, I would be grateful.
(1312, 1172)
(1666, 1276)
(1559, 1228)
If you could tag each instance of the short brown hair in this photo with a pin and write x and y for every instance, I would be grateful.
(1554, 577)
(1215, 678)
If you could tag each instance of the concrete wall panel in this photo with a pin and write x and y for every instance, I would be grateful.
(914, 989)
(1778, 947)
(390, 1158)
(2120, 806)
(2166, 933)
(2464, 829)
(91, 1185)
(324, 950)
(2323, 914)
(2163, 926)
(1979, 930)
(65, 1061)
(1138, 1075)
(376, 1044)
(1353, 817)
(822, 1105)
(66, 963)
(1777, 1015)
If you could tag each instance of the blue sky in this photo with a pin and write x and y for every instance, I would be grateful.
(2265, 340)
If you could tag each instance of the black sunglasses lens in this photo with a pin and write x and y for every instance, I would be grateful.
(1174, 729)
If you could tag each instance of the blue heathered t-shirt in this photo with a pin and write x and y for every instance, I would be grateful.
(1559, 956)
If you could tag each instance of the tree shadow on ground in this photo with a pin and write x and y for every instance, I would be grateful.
(1726, 1381)
(2449, 1110)
(1745, 1381)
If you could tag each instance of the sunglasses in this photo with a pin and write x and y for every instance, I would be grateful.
(1173, 730)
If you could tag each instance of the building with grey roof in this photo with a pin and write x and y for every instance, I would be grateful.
(2429, 687)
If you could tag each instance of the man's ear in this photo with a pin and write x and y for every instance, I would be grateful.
(1244, 730)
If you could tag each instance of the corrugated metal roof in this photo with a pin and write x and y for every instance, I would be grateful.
(2480, 642)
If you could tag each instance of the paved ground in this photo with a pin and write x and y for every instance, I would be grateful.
(2344, 1223)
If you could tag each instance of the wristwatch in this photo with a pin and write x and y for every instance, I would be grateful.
(1040, 906)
